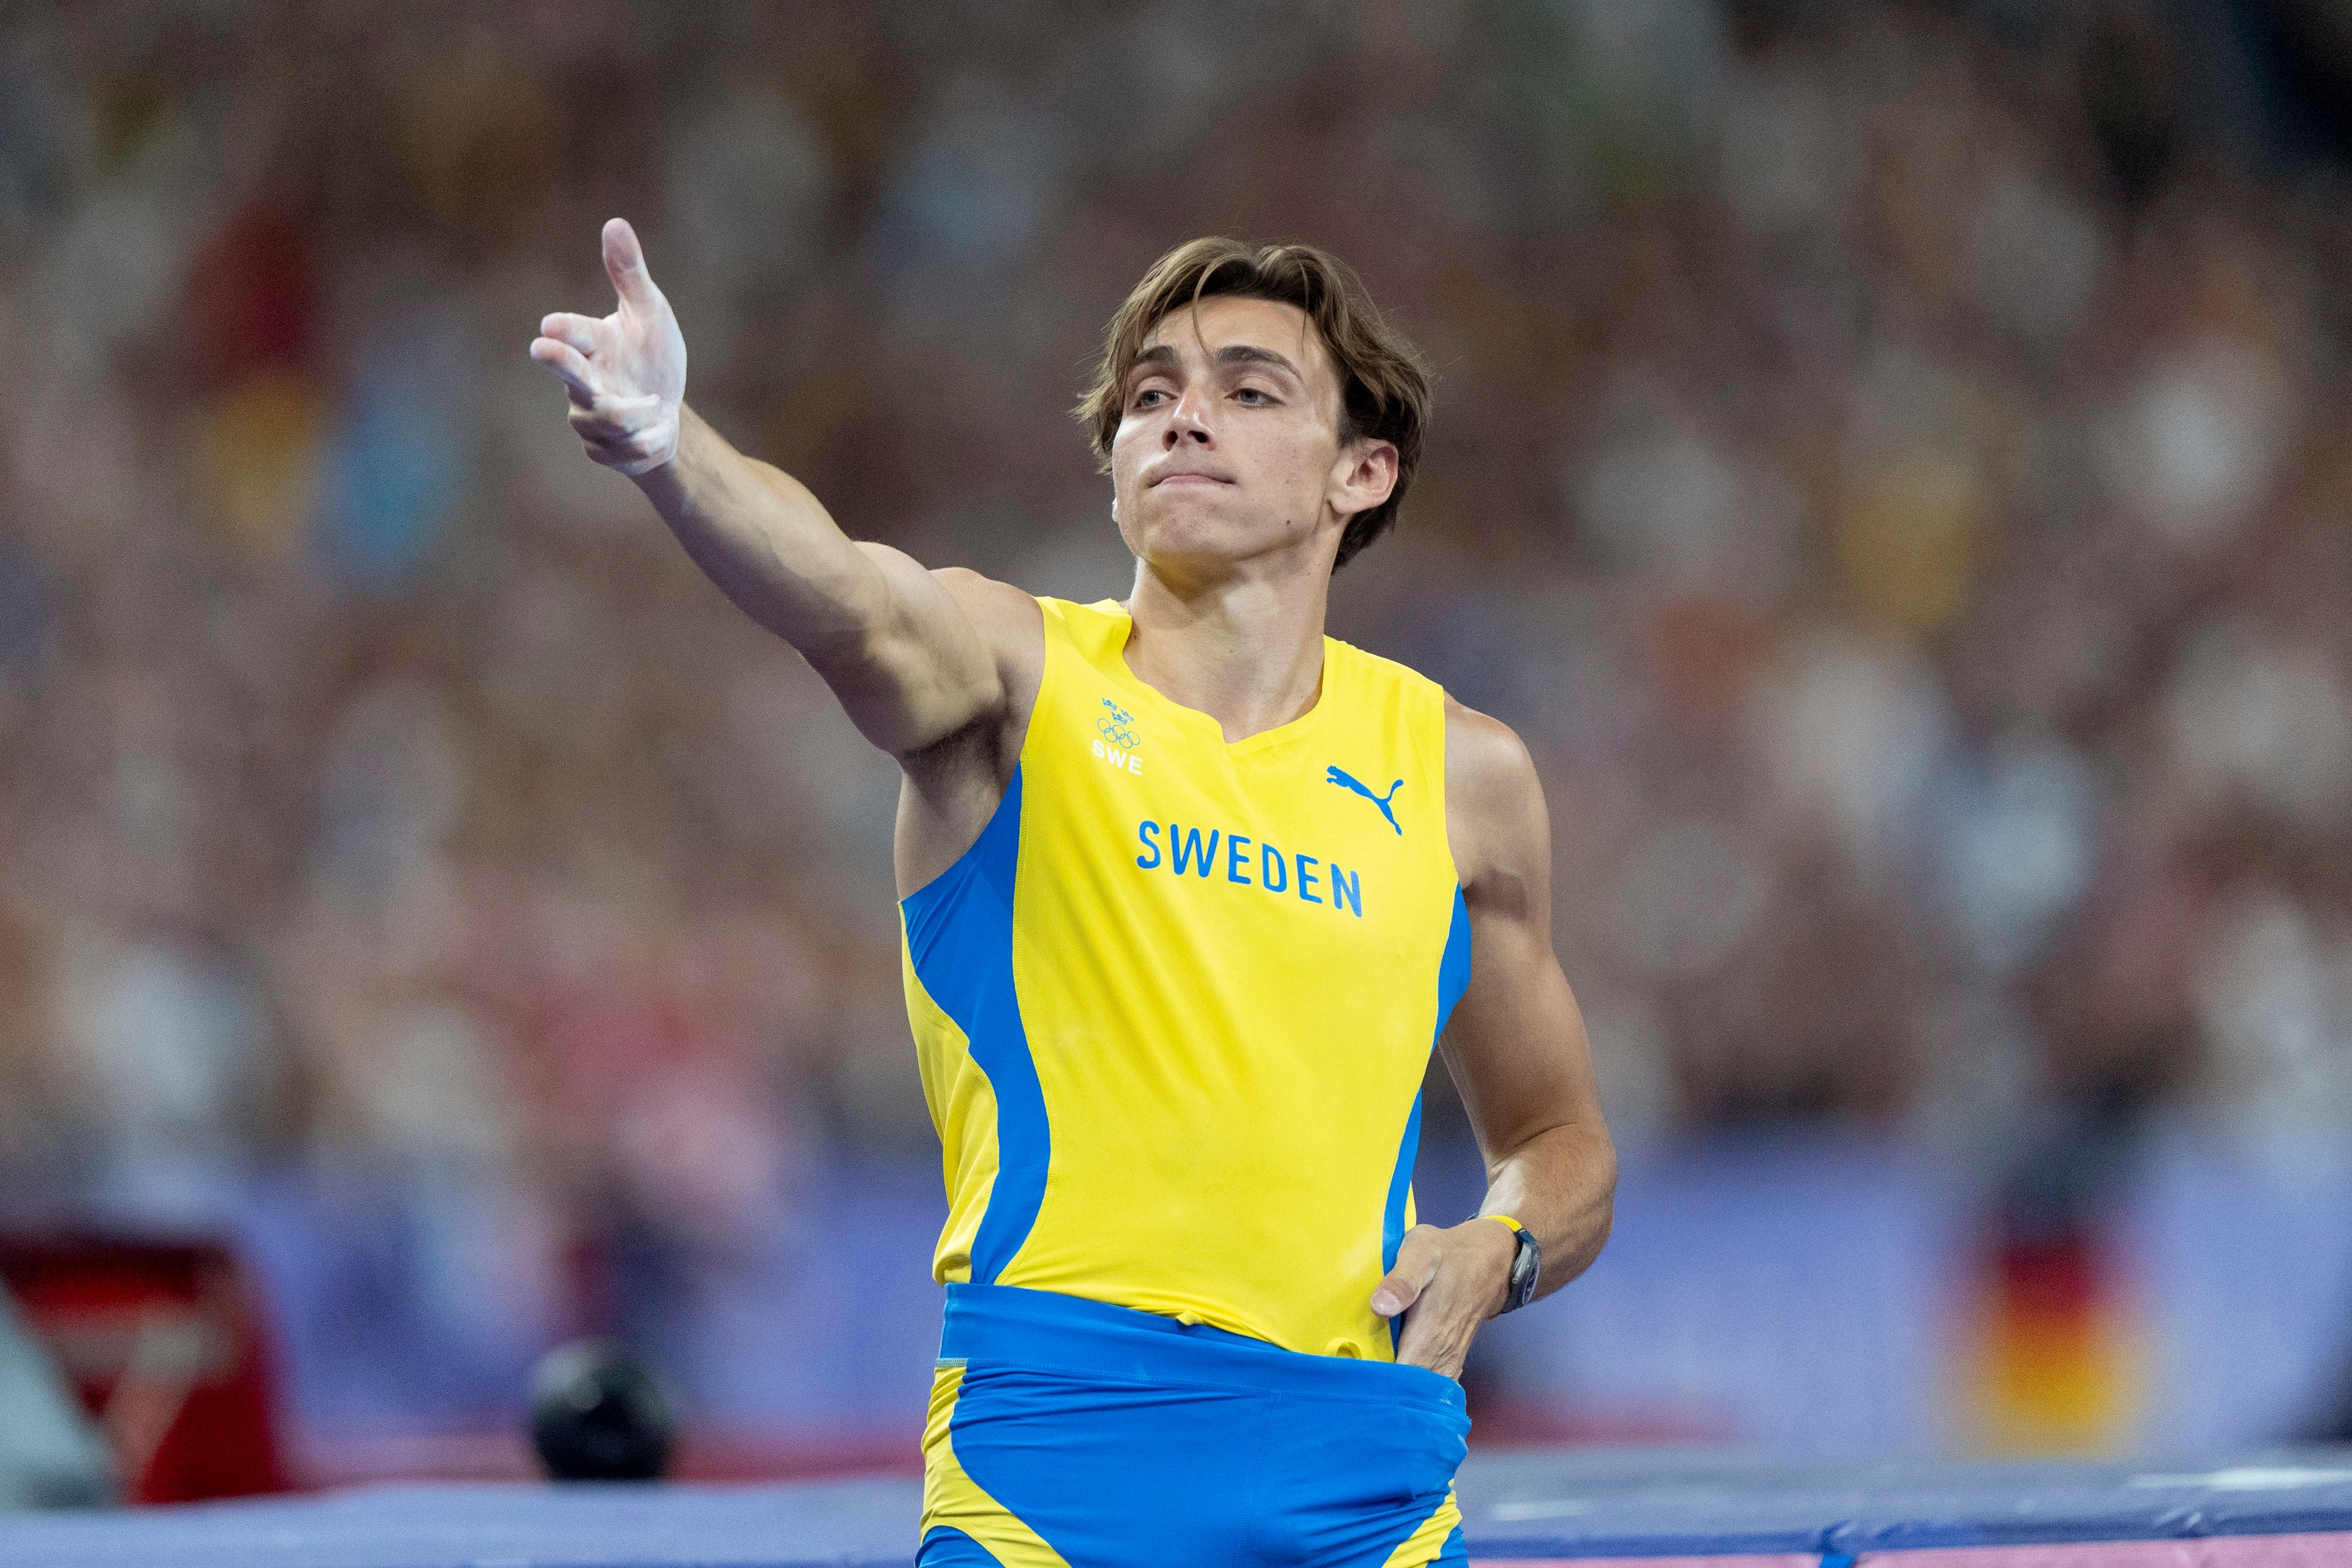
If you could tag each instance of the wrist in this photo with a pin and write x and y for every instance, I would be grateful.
(1523, 1265)
(1502, 1249)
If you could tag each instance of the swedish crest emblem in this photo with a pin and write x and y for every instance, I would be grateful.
(1116, 726)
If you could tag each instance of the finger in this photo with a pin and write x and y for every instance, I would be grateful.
(1435, 1338)
(624, 263)
(609, 441)
(632, 457)
(1436, 1331)
(628, 457)
(586, 333)
(1416, 1265)
(607, 445)
(594, 427)
(617, 448)
(569, 367)
(606, 416)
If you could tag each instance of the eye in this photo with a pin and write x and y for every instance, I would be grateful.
(1252, 395)
(1143, 398)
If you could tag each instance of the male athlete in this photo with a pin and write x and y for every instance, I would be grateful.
(1188, 892)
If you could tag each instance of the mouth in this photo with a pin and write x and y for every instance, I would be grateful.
(1188, 478)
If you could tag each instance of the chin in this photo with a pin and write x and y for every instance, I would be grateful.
(1195, 535)
(1207, 525)
(1200, 546)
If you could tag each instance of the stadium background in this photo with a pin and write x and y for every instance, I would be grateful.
(1890, 465)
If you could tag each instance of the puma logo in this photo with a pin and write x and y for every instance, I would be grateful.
(1339, 776)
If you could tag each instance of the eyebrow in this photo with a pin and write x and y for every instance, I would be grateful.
(1163, 355)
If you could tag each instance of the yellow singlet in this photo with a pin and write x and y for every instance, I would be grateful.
(1174, 1006)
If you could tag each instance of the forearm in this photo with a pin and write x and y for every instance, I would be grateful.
(1561, 1185)
(768, 543)
(903, 658)
(891, 639)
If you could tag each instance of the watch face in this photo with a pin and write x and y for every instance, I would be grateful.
(1524, 1270)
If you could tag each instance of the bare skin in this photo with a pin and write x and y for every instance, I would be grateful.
(1232, 483)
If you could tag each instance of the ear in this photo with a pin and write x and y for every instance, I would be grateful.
(1364, 475)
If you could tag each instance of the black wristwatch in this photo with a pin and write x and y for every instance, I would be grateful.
(1526, 1265)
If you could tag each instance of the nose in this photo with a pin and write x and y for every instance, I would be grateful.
(1189, 421)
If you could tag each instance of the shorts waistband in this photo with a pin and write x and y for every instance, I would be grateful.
(1045, 1330)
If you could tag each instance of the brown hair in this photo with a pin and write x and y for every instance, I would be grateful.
(1384, 392)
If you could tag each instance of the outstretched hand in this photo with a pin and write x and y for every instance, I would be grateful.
(1446, 1282)
(627, 371)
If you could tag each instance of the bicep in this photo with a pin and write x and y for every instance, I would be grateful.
(1516, 1044)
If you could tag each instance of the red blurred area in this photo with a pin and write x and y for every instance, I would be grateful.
(164, 1346)
(252, 294)
(167, 1348)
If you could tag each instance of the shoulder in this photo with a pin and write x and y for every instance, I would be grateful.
(1010, 621)
(987, 600)
(1380, 670)
(1487, 768)
(1494, 800)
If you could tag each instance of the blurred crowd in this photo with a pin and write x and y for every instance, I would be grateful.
(1890, 465)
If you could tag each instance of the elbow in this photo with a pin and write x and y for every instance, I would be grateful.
(1595, 1200)
(1603, 1179)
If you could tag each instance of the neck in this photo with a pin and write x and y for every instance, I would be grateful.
(1244, 646)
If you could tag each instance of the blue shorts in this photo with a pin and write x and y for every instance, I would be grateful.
(1064, 1431)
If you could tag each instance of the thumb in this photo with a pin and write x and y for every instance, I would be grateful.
(624, 263)
(1403, 1284)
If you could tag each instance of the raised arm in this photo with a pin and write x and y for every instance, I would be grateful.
(911, 654)
(1517, 1048)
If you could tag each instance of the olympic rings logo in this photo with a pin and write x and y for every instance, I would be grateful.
(1116, 726)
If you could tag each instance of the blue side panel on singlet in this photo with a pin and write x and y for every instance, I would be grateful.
(960, 939)
(1452, 979)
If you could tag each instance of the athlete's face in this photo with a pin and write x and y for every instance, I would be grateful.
(1229, 444)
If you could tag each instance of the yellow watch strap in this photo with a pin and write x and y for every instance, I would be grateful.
(1507, 1219)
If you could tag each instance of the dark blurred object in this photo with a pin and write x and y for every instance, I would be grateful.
(2134, 77)
(2307, 50)
(50, 1456)
(162, 1342)
(596, 1415)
